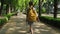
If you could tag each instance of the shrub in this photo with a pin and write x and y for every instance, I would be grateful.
(50, 20)
(5, 19)
(9, 15)
(2, 21)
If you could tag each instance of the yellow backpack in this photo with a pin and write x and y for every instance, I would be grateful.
(32, 15)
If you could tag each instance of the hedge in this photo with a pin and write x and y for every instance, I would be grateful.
(9, 15)
(5, 19)
(50, 20)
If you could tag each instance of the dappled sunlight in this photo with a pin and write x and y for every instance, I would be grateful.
(22, 31)
(37, 30)
(38, 24)
(18, 25)
(50, 15)
(44, 30)
(10, 30)
(21, 20)
(18, 28)
(15, 16)
(22, 23)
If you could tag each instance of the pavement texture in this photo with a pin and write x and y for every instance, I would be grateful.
(18, 25)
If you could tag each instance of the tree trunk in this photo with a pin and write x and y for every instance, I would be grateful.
(47, 6)
(15, 11)
(39, 8)
(11, 9)
(7, 9)
(1, 7)
(55, 8)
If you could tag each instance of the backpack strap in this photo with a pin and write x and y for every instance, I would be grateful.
(34, 11)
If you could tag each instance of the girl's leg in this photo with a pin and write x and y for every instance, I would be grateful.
(31, 29)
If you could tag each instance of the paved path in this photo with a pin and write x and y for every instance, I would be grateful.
(17, 25)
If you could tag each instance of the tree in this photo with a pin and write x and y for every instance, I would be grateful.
(11, 4)
(2, 2)
(55, 8)
(48, 5)
(39, 8)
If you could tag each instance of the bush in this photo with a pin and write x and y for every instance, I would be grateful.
(3, 21)
(9, 15)
(50, 20)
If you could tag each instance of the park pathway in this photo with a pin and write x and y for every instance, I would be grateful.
(18, 25)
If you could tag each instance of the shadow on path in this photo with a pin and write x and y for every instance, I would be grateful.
(17, 25)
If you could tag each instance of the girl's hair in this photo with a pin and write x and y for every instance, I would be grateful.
(30, 3)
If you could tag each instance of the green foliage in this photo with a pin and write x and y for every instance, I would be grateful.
(50, 20)
(47, 4)
(2, 21)
(5, 19)
(43, 10)
(9, 15)
(19, 4)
